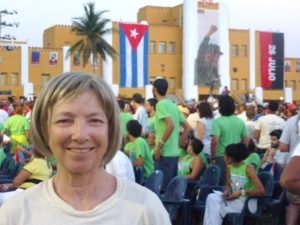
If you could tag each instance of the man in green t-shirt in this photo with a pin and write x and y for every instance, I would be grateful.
(226, 129)
(125, 117)
(167, 128)
(140, 153)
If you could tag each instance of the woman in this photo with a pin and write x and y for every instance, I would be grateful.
(241, 181)
(76, 118)
(18, 128)
(34, 172)
(192, 164)
(204, 124)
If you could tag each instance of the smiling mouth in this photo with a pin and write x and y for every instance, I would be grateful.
(80, 150)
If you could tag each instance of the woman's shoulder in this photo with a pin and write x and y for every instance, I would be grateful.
(134, 191)
(25, 199)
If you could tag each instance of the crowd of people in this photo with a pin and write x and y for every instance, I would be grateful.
(86, 145)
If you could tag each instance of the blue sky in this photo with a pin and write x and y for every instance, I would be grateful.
(35, 16)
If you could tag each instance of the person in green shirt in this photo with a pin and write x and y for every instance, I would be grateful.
(253, 158)
(151, 142)
(226, 129)
(140, 153)
(2, 154)
(150, 107)
(241, 182)
(125, 117)
(168, 122)
(191, 165)
(18, 128)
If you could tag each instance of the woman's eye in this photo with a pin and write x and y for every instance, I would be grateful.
(96, 121)
(64, 121)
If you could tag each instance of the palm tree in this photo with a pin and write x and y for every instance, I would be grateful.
(92, 27)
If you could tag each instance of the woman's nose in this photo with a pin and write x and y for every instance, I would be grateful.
(80, 131)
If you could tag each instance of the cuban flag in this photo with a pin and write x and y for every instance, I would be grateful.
(133, 55)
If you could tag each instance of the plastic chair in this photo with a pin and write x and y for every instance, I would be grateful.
(266, 179)
(7, 166)
(13, 173)
(277, 208)
(207, 184)
(139, 175)
(174, 195)
(154, 181)
(209, 181)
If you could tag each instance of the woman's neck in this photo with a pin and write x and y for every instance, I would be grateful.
(84, 192)
(237, 164)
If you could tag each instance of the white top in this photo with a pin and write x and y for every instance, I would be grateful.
(266, 124)
(121, 167)
(242, 116)
(296, 151)
(3, 116)
(290, 134)
(131, 204)
(192, 120)
(141, 116)
(206, 140)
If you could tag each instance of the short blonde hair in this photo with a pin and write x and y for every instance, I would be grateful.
(71, 85)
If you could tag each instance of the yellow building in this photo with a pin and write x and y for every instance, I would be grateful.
(165, 58)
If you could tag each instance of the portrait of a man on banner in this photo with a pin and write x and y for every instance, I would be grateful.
(53, 58)
(209, 52)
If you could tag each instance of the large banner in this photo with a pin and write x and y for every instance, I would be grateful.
(271, 60)
(133, 55)
(209, 52)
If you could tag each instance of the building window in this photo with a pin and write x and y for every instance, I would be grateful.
(293, 84)
(152, 47)
(14, 79)
(172, 82)
(244, 51)
(172, 48)
(162, 47)
(234, 84)
(45, 78)
(235, 50)
(3, 78)
(244, 84)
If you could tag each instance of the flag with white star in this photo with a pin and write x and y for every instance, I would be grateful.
(133, 55)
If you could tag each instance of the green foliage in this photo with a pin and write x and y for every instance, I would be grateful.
(91, 27)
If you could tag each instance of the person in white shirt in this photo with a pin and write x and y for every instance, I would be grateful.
(141, 114)
(265, 125)
(3, 114)
(121, 167)
(289, 180)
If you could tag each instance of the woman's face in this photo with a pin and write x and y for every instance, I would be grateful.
(78, 133)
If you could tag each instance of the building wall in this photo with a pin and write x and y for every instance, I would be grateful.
(59, 36)
(239, 60)
(163, 15)
(10, 71)
(165, 25)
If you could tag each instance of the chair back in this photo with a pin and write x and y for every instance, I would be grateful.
(266, 178)
(211, 176)
(155, 181)
(267, 181)
(15, 171)
(176, 189)
(7, 165)
(174, 195)
(139, 174)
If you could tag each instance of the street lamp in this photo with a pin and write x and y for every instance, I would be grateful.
(3, 23)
